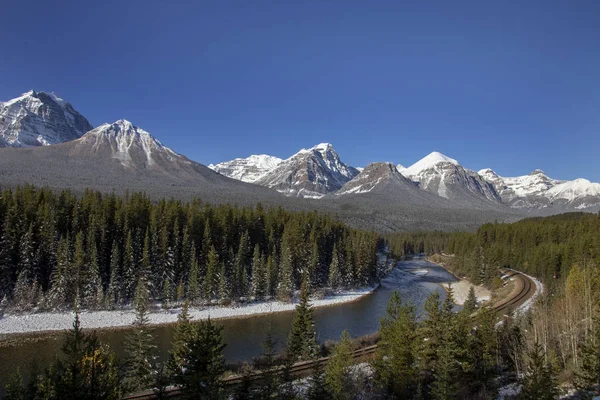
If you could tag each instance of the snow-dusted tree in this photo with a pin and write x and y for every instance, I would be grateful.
(212, 265)
(193, 288)
(113, 292)
(335, 273)
(167, 294)
(258, 275)
(59, 286)
(285, 288)
(128, 270)
(139, 344)
(22, 293)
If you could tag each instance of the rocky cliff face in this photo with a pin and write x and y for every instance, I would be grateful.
(39, 119)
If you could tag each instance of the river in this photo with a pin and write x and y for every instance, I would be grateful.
(415, 279)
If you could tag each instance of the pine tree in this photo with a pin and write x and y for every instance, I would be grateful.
(212, 265)
(587, 376)
(167, 294)
(223, 288)
(79, 270)
(139, 345)
(128, 271)
(114, 285)
(539, 382)
(446, 366)
(15, 389)
(335, 273)
(285, 288)
(205, 363)
(302, 343)
(258, 275)
(337, 379)
(267, 365)
(470, 304)
(193, 292)
(182, 336)
(395, 361)
(59, 288)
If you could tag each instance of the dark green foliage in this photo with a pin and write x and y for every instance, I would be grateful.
(587, 376)
(395, 361)
(337, 379)
(204, 363)
(96, 246)
(302, 342)
(540, 381)
(267, 363)
(140, 346)
(88, 370)
(15, 389)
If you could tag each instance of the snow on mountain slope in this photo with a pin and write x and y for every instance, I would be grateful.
(248, 169)
(427, 162)
(309, 173)
(538, 191)
(39, 119)
(128, 143)
(445, 177)
(374, 176)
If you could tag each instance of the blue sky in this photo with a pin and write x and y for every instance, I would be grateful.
(510, 85)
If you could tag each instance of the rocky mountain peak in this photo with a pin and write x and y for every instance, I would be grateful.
(39, 119)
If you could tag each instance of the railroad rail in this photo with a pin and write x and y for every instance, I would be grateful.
(299, 369)
(304, 368)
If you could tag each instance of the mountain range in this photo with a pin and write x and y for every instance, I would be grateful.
(48, 143)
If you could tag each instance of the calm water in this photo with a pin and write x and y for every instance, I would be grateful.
(244, 337)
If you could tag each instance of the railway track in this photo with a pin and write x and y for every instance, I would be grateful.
(298, 370)
(304, 368)
(526, 286)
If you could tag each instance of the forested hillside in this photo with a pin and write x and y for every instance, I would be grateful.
(563, 251)
(544, 247)
(58, 248)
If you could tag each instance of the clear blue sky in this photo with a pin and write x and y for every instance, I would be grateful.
(511, 85)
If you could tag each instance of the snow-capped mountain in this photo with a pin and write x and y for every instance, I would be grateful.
(248, 169)
(538, 191)
(39, 119)
(444, 176)
(132, 146)
(121, 156)
(374, 176)
(312, 173)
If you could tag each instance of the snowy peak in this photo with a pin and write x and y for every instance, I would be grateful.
(39, 119)
(537, 172)
(427, 162)
(127, 143)
(248, 169)
(312, 172)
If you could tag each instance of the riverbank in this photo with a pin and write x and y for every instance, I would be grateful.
(462, 286)
(51, 322)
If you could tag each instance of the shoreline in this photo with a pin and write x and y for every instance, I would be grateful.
(461, 287)
(42, 324)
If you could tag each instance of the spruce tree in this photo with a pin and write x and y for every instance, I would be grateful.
(285, 288)
(59, 289)
(205, 363)
(266, 363)
(182, 336)
(337, 378)
(139, 345)
(395, 360)
(15, 389)
(470, 304)
(193, 291)
(258, 275)
(212, 266)
(539, 382)
(335, 273)
(302, 343)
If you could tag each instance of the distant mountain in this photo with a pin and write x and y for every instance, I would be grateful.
(538, 191)
(39, 119)
(311, 173)
(120, 157)
(377, 177)
(444, 176)
(248, 169)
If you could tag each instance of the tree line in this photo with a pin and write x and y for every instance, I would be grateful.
(57, 249)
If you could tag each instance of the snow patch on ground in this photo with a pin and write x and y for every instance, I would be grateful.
(460, 290)
(418, 272)
(509, 391)
(11, 324)
(539, 289)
